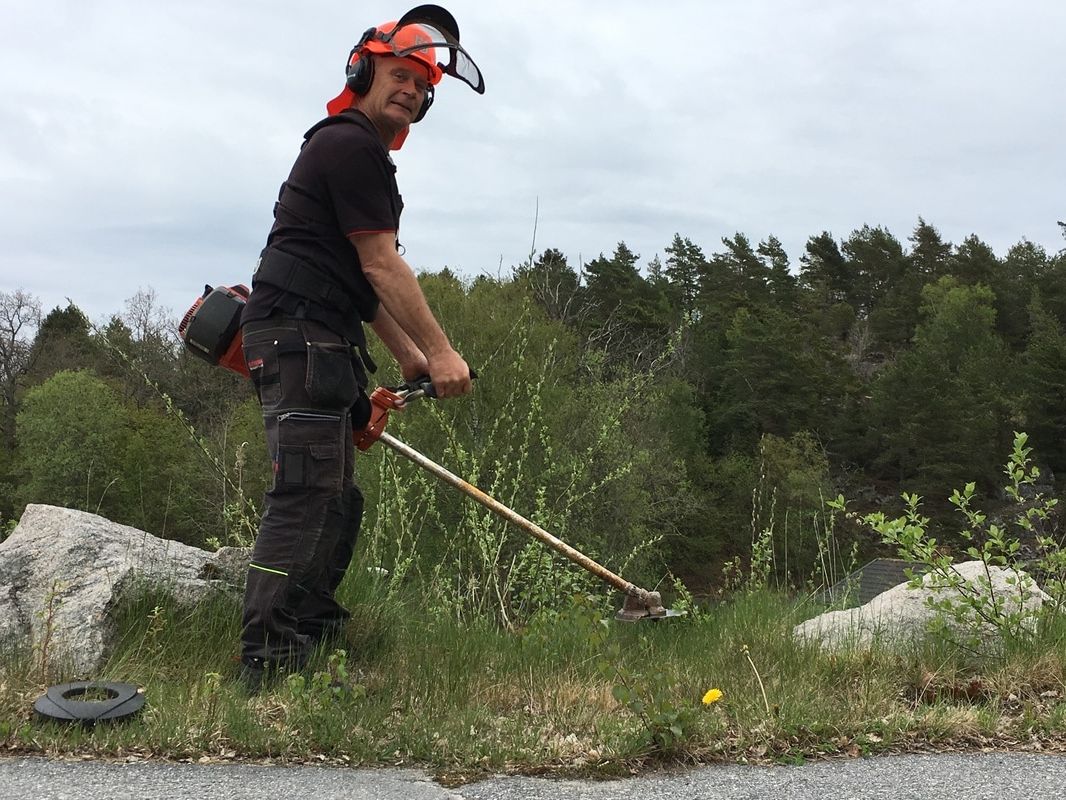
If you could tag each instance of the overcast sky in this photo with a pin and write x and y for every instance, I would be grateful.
(143, 143)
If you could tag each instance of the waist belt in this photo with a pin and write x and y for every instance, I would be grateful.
(301, 278)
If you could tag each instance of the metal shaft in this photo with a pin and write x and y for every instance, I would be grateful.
(499, 508)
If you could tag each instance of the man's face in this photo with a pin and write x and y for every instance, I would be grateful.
(396, 94)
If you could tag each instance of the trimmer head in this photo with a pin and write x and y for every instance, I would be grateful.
(649, 606)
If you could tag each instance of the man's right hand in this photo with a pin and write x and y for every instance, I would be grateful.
(397, 288)
(450, 374)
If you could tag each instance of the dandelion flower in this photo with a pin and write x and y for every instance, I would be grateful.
(712, 696)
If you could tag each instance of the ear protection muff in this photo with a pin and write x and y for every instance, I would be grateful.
(360, 74)
(427, 101)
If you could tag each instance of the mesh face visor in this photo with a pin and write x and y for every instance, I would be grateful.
(431, 28)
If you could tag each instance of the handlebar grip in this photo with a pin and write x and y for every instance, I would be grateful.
(423, 382)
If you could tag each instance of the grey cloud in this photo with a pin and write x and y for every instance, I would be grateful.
(144, 144)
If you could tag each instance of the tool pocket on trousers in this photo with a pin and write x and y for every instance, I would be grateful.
(330, 379)
(262, 359)
(309, 453)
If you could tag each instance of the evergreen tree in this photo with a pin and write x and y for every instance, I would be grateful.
(827, 286)
(780, 280)
(974, 262)
(1044, 381)
(1024, 268)
(774, 375)
(876, 261)
(752, 273)
(621, 307)
(1053, 287)
(685, 265)
(63, 342)
(553, 283)
(825, 272)
(930, 255)
(943, 407)
(895, 315)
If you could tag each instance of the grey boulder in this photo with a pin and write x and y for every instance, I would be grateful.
(904, 615)
(63, 572)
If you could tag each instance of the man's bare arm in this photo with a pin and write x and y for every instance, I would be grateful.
(412, 361)
(397, 288)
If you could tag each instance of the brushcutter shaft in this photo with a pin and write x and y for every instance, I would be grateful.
(499, 508)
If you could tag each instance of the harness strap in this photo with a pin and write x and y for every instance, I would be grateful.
(299, 277)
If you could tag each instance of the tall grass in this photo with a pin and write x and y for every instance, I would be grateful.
(563, 455)
(414, 686)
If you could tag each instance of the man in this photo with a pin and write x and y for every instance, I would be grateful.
(331, 263)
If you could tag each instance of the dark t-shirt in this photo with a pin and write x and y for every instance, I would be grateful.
(343, 182)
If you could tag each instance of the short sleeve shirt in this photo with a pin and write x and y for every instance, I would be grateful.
(342, 183)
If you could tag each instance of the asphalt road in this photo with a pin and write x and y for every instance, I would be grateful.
(987, 776)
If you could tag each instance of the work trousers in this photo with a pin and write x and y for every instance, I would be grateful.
(307, 379)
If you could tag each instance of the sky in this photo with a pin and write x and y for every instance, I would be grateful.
(142, 144)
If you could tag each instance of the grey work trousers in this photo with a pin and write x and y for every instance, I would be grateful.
(307, 379)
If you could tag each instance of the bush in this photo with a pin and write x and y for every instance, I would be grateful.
(80, 445)
(72, 433)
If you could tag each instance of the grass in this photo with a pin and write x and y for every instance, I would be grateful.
(417, 688)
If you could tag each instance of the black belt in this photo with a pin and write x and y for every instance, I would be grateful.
(299, 277)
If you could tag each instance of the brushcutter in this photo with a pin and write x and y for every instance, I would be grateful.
(211, 331)
(639, 603)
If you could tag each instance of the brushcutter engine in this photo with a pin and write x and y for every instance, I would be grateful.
(211, 328)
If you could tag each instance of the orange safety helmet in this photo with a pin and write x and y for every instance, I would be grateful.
(417, 35)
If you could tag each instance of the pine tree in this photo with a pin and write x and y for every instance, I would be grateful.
(620, 307)
(827, 286)
(553, 282)
(685, 265)
(1044, 382)
(943, 407)
(780, 280)
(774, 375)
(876, 262)
(63, 342)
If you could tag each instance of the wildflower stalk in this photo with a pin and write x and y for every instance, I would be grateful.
(758, 677)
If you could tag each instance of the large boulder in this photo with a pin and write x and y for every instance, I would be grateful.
(62, 573)
(903, 614)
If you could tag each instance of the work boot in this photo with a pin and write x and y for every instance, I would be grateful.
(251, 679)
(256, 675)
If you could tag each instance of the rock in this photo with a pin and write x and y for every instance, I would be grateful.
(229, 565)
(903, 615)
(62, 573)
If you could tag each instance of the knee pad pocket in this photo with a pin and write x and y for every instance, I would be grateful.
(310, 453)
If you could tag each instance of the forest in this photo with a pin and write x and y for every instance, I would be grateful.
(666, 417)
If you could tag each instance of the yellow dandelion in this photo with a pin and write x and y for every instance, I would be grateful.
(712, 696)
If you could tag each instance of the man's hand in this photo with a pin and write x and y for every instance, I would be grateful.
(405, 310)
(414, 367)
(449, 374)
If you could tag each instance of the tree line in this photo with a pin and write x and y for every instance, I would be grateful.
(707, 397)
